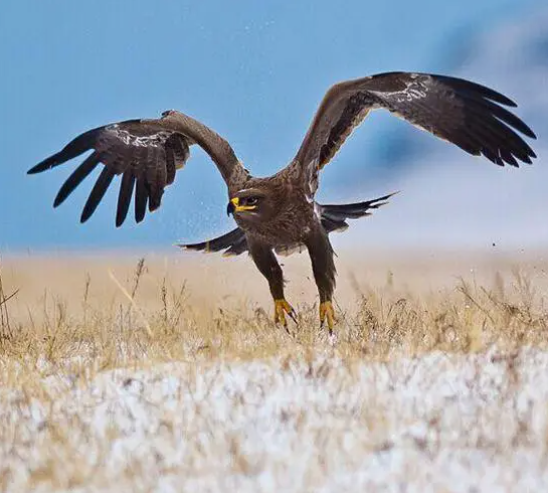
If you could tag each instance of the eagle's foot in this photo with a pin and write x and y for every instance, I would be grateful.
(281, 307)
(327, 313)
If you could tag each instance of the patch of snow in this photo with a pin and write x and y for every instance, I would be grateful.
(433, 423)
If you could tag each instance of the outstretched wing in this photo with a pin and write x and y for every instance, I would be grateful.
(147, 154)
(462, 112)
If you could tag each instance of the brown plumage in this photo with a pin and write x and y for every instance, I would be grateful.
(279, 213)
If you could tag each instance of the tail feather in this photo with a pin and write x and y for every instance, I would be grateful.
(330, 224)
(334, 216)
(237, 247)
(233, 243)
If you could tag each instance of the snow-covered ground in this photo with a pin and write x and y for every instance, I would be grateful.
(476, 423)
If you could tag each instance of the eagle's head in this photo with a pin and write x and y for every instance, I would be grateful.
(253, 205)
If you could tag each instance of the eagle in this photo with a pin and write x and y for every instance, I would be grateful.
(279, 214)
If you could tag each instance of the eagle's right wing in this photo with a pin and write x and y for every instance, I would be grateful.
(147, 154)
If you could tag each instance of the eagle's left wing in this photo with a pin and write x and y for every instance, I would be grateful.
(462, 112)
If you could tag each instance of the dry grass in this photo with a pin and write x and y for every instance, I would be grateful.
(77, 326)
(148, 312)
(5, 326)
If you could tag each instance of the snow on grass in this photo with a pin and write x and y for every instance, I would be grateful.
(437, 422)
(436, 379)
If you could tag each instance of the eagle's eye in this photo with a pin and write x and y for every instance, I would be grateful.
(251, 201)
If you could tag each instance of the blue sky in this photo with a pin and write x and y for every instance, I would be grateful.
(253, 71)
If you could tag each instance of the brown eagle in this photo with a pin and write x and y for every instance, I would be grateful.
(279, 213)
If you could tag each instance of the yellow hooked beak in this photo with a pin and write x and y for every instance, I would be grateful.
(240, 208)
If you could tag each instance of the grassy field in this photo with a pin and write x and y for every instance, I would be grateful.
(166, 373)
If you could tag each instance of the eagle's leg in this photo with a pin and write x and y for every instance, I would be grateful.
(323, 266)
(266, 262)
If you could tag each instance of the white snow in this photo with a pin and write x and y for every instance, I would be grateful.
(433, 423)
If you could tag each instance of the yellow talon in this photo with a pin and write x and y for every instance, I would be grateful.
(327, 311)
(281, 307)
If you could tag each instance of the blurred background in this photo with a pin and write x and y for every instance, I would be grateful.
(255, 72)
